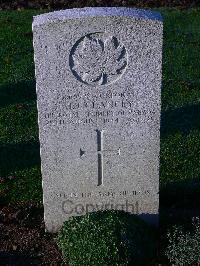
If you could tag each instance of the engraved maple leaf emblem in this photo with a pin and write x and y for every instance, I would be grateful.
(99, 61)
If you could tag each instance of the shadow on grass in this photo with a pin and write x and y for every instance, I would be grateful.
(179, 200)
(18, 156)
(179, 203)
(182, 119)
(17, 92)
(183, 194)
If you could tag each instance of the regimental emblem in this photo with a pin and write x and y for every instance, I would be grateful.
(98, 59)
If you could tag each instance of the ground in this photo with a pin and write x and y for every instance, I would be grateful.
(23, 239)
(22, 229)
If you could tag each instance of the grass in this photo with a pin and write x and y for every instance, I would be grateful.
(180, 135)
(19, 144)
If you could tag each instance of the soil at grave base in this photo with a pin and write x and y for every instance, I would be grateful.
(23, 240)
(61, 4)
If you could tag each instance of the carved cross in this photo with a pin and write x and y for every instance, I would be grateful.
(100, 154)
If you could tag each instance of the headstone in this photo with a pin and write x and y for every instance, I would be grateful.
(98, 73)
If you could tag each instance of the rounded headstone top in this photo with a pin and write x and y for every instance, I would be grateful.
(94, 12)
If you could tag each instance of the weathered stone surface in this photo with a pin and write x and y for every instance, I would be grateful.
(98, 73)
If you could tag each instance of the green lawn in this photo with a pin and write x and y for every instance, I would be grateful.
(180, 125)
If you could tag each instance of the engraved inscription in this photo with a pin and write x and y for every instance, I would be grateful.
(109, 193)
(107, 107)
(98, 59)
